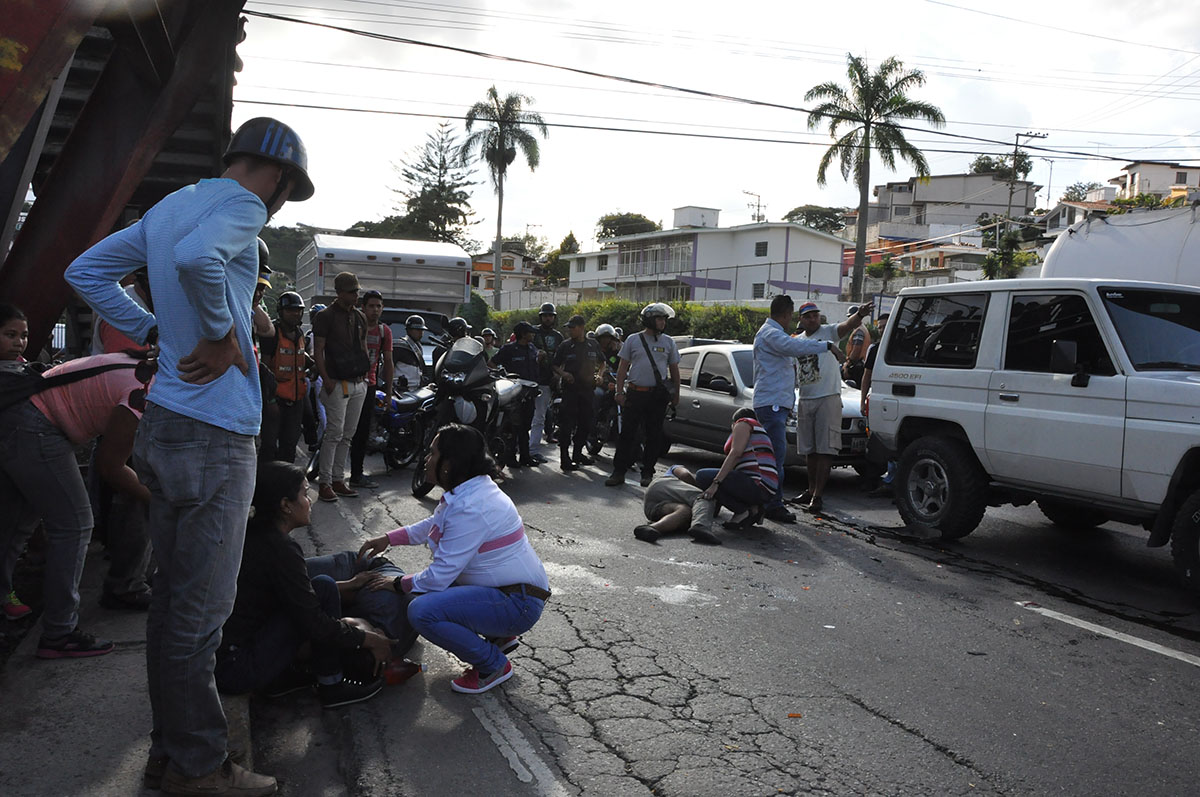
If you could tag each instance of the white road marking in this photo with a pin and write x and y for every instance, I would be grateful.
(679, 595)
(513, 745)
(1153, 647)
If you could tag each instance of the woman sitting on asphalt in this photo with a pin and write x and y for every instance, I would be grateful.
(748, 477)
(485, 585)
(278, 607)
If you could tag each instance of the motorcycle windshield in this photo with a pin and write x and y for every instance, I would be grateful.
(462, 355)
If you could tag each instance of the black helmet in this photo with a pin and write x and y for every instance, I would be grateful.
(414, 322)
(290, 300)
(522, 328)
(264, 257)
(458, 327)
(272, 140)
(548, 309)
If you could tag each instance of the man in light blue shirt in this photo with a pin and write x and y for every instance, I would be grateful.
(775, 353)
(195, 443)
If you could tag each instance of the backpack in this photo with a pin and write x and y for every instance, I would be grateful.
(18, 386)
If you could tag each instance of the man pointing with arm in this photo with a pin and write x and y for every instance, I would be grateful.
(775, 353)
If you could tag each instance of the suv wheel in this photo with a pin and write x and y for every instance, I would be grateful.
(1071, 517)
(1185, 541)
(939, 484)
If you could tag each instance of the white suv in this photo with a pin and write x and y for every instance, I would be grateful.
(1082, 395)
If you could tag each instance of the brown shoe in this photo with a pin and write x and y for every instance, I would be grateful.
(341, 489)
(326, 493)
(229, 778)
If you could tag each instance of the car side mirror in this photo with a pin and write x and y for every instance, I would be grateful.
(1064, 356)
(722, 385)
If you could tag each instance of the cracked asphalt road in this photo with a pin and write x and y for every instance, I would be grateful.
(838, 656)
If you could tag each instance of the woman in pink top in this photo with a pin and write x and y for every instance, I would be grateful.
(485, 585)
(39, 474)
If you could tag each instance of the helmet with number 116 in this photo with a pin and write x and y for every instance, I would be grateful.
(656, 310)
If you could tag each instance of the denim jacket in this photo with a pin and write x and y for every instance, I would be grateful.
(775, 353)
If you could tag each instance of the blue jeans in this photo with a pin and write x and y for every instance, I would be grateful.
(383, 608)
(201, 480)
(456, 618)
(774, 423)
(39, 477)
(737, 492)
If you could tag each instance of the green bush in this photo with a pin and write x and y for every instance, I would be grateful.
(721, 322)
(475, 311)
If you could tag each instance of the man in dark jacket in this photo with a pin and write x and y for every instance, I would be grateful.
(520, 358)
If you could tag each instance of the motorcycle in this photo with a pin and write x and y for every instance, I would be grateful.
(397, 430)
(467, 391)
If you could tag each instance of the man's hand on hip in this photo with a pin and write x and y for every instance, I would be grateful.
(209, 361)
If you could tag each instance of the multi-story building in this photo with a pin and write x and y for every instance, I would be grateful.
(699, 261)
(1159, 178)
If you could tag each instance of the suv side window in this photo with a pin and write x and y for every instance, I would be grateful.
(938, 331)
(687, 364)
(1037, 320)
(716, 364)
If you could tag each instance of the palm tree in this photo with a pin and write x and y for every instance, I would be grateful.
(872, 106)
(497, 144)
(884, 270)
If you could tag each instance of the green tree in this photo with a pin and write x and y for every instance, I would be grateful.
(435, 190)
(501, 132)
(1006, 262)
(1077, 192)
(569, 245)
(404, 227)
(1001, 165)
(475, 311)
(612, 225)
(884, 270)
(530, 244)
(819, 218)
(871, 107)
(556, 266)
(285, 244)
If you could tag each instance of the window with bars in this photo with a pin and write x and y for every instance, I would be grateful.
(580, 265)
(759, 290)
(760, 249)
(602, 263)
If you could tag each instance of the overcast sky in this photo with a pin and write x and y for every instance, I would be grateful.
(1108, 77)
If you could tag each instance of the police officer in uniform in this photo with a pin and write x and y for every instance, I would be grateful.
(647, 382)
(287, 356)
(577, 363)
(410, 354)
(520, 358)
(547, 339)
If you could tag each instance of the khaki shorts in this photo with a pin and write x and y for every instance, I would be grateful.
(664, 491)
(819, 426)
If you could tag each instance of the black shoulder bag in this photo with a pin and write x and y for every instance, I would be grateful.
(661, 389)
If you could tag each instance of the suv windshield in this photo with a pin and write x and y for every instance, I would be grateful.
(1160, 329)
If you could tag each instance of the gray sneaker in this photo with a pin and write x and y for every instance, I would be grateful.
(364, 482)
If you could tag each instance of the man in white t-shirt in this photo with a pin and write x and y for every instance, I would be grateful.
(819, 421)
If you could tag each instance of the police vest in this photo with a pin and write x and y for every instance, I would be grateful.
(289, 367)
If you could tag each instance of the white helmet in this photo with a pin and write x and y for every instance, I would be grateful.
(606, 329)
(464, 410)
(655, 310)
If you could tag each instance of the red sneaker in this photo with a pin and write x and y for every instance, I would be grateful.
(470, 683)
(13, 608)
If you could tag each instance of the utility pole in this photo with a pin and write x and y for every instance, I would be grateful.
(1012, 180)
(757, 206)
(1049, 183)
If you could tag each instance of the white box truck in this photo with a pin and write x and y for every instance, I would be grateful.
(418, 275)
(426, 278)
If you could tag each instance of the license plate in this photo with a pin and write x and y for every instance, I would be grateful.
(858, 445)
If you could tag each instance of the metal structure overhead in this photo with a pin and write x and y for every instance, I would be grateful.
(105, 108)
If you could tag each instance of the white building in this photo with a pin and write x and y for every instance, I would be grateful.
(1155, 177)
(698, 261)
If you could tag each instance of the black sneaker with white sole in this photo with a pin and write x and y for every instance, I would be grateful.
(348, 691)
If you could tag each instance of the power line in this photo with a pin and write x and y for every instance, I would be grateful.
(640, 82)
(1060, 29)
(612, 129)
